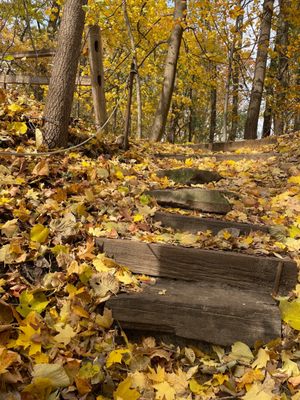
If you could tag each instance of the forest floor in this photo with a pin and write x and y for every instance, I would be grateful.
(57, 341)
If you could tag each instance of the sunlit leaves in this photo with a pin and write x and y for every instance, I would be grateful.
(39, 233)
(31, 302)
(290, 312)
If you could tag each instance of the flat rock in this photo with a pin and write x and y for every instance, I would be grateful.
(189, 176)
(211, 201)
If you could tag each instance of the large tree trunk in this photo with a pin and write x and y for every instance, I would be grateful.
(282, 69)
(97, 75)
(62, 82)
(259, 72)
(162, 111)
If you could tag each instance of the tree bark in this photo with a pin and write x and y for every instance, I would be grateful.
(282, 69)
(236, 78)
(97, 75)
(138, 80)
(62, 82)
(125, 145)
(163, 108)
(259, 72)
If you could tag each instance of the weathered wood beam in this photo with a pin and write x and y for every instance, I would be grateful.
(29, 54)
(37, 80)
(194, 264)
(228, 146)
(197, 224)
(219, 157)
(195, 310)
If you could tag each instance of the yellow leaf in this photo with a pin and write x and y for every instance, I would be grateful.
(116, 356)
(119, 174)
(54, 372)
(38, 138)
(195, 387)
(158, 375)
(226, 235)
(138, 218)
(39, 233)
(65, 334)
(164, 391)
(10, 228)
(294, 231)
(240, 351)
(257, 392)
(261, 359)
(124, 391)
(294, 179)
(19, 127)
(14, 107)
(290, 312)
(289, 367)
(105, 320)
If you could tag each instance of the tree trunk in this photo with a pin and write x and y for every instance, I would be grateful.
(191, 118)
(125, 145)
(236, 78)
(162, 111)
(62, 82)
(227, 90)
(259, 72)
(282, 69)
(97, 75)
(297, 114)
(138, 80)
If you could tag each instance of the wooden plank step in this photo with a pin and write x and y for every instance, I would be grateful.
(264, 274)
(197, 224)
(219, 157)
(189, 176)
(212, 201)
(228, 146)
(195, 310)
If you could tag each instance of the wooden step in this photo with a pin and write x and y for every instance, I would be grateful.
(228, 146)
(189, 176)
(219, 157)
(262, 274)
(212, 201)
(195, 310)
(197, 224)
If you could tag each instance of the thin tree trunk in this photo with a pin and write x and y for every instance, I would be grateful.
(97, 75)
(259, 72)
(282, 69)
(236, 78)
(62, 82)
(297, 114)
(163, 108)
(268, 113)
(191, 118)
(227, 90)
(128, 109)
(138, 80)
(139, 106)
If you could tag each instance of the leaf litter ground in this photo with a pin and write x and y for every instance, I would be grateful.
(57, 339)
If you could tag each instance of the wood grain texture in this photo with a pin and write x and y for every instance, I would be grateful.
(37, 80)
(196, 224)
(192, 264)
(228, 146)
(215, 314)
(212, 201)
(219, 157)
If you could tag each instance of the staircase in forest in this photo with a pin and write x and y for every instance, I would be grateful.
(208, 295)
